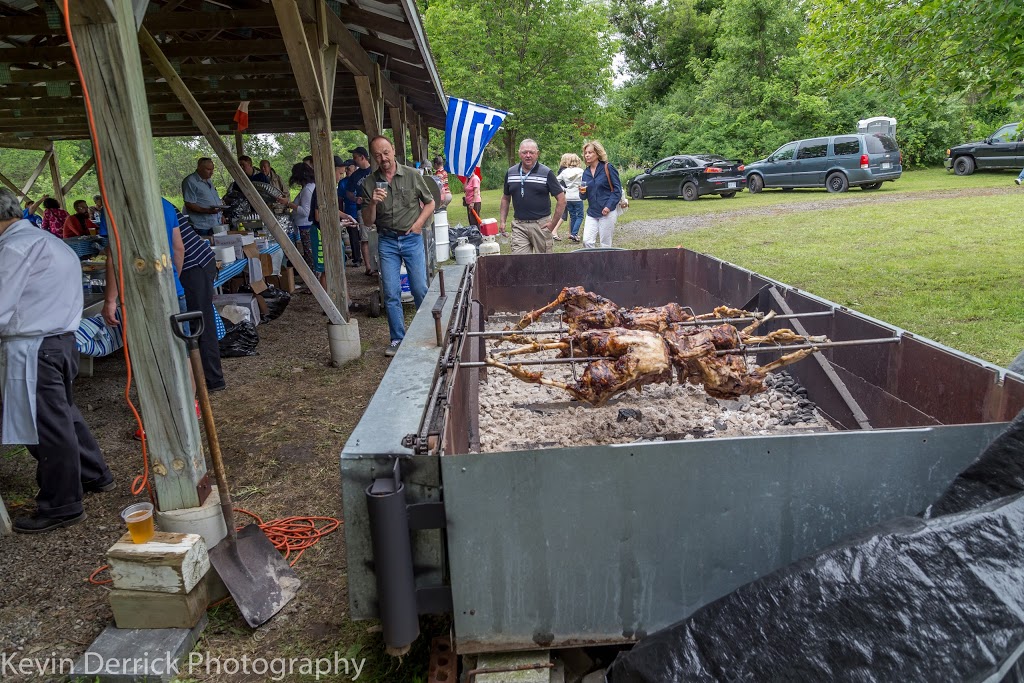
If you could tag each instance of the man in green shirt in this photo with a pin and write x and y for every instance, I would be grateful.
(399, 205)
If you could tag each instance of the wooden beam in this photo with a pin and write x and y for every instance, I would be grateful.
(378, 23)
(39, 169)
(12, 187)
(93, 12)
(211, 134)
(79, 175)
(414, 138)
(112, 70)
(398, 131)
(58, 187)
(239, 144)
(306, 59)
(39, 25)
(219, 48)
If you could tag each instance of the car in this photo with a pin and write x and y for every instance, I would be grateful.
(1002, 149)
(836, 163)
(690, 176)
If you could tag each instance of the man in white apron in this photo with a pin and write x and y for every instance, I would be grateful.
(40, 308)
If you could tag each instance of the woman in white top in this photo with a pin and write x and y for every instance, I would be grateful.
(570, 180)
(302, 211)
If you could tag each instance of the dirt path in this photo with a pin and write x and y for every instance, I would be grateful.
(282, 424)
(640, 229)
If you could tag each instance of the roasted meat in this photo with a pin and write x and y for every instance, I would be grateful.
(631, 359)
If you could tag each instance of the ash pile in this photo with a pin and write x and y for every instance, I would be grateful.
(517, 415)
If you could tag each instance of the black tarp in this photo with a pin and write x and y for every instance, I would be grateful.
(939, 597)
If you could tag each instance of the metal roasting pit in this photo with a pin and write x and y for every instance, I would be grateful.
(601, 544)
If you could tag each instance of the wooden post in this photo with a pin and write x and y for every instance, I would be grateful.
(78, 175)
(371, 103)
(398, 130)
(239, 144)
(306, 58)
(156, 56)
(58, 188)
(108, 49)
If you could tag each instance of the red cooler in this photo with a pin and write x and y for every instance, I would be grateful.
(489, 227)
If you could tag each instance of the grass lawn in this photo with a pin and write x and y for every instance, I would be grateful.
(946, 268)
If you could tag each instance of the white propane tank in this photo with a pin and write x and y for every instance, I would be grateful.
(489, 247)
(465, 253)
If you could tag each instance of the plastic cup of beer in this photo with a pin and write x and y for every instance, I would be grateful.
(139, 518)
(381, 185)
(583, 188)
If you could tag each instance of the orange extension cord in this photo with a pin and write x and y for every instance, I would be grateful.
(290, 534)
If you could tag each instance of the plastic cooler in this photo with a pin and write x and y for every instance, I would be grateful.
(489, 227)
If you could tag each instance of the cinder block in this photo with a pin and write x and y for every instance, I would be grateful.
(510, 661)
(170, 563)
(130, 655)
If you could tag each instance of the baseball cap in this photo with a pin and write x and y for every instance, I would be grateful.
(338, 163)
(349, 162)
(360, 151)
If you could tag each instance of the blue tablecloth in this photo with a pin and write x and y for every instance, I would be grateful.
(235, 267)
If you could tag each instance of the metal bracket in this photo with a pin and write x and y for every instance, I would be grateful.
(858, 413)
(426, 516)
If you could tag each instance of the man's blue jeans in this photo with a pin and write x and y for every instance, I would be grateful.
(1021, 176)
(393, 251)
(575, 217)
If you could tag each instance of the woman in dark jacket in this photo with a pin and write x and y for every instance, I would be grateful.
(601, 188)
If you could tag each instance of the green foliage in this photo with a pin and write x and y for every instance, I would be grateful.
(548, 62)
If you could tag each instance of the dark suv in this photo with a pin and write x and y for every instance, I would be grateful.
(835, 163)
(1002, 149)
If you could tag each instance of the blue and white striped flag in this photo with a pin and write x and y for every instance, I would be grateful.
(470, 127)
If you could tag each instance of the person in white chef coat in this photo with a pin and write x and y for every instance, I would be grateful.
(40, 308)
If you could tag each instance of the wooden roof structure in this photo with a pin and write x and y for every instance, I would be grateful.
(226, 51)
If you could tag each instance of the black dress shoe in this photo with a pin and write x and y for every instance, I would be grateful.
(38, 524)
(218, 387)
(96, 487)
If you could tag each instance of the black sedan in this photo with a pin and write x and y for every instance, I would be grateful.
(690, 176)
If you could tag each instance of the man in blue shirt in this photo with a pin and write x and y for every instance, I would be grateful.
(202, 203)
(354, 198)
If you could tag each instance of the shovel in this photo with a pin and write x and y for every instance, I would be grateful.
(254, 571)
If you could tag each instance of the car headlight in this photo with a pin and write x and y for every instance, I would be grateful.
(947, 152)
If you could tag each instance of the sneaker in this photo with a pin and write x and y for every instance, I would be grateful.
(392, 348)
(38, 524)
(1017, 180)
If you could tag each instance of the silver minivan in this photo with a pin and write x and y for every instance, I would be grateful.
(835, 163)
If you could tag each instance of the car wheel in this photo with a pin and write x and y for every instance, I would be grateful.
(727, 195)
(963, 166)
(836, 182)
(871, 186)
(689, 192)
(755, 184)
(636, 192)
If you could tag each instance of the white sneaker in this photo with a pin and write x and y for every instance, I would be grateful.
(1017, 180)
(392, 348)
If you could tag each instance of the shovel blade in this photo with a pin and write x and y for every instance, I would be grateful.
(255, 573)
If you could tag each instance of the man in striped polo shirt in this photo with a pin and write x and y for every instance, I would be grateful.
(198, 271)
(529, 185)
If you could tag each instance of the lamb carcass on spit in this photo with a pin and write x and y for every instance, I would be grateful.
(640, 346)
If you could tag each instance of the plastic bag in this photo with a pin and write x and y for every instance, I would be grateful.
(239, 340)
(927, 599)
(235, 314)
(277, 300)
(471, 233)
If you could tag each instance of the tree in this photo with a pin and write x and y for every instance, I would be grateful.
(924, 48)
(548, 62)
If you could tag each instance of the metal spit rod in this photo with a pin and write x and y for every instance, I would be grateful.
(692, 323)
(797, 347)
(540, 361)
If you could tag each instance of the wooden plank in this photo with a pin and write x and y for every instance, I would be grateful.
(305, 59)
(239, 143)
(149, 609)
(329, 58)
(168, 563)
(35, 174)
(398, 131)
(208, 130)
(58, 187)
(79, 175)
(93, 12)
(11, 186)
(112, 70)
(38, 25)
(379, 23)
(198, 50)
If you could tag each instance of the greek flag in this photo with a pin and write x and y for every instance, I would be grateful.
(470, 127)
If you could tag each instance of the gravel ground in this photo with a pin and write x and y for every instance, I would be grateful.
(281, 422)
(642, 229)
